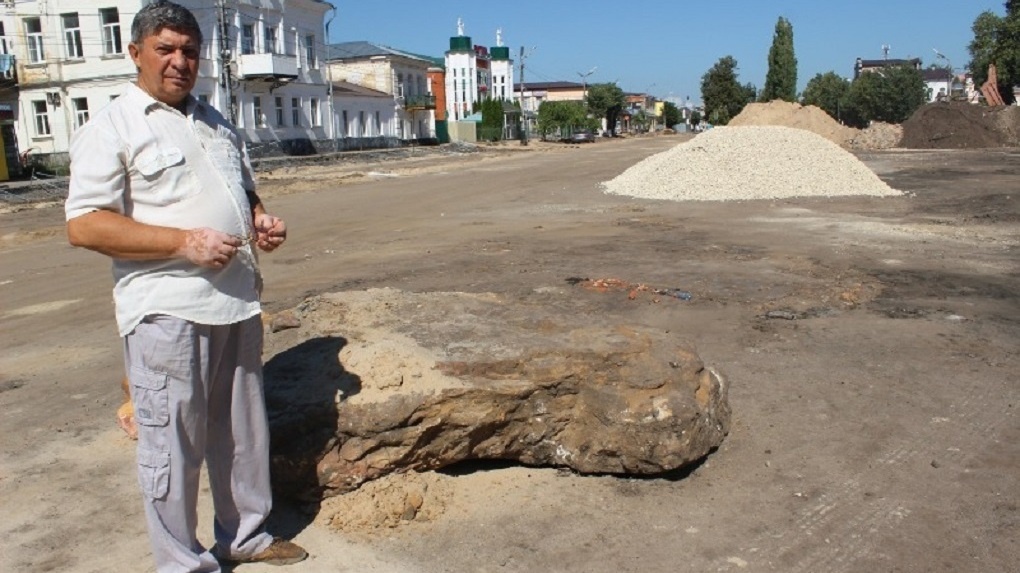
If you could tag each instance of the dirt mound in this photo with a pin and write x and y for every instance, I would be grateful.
(878, 135)
(962, 126)
(788, 114)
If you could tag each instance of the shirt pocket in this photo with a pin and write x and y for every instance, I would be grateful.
(151, 397)
(163, 177)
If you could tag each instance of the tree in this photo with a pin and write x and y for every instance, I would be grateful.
(997, 41)
(671, 114)
(722, 95)
(491, 126)
(890, 94)
(695, 118)
(606, 101)
(781, 79)
(562, 117)
(827, 91)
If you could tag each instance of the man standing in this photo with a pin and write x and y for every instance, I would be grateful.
(161, 183)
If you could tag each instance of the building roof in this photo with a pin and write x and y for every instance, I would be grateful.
(865, 64)
(935, 75)
(363, 49)
(535, 86)
(342, 88)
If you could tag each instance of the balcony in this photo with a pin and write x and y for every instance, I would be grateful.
(267, 67)
(420, 102)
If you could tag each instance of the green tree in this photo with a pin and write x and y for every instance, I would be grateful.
(563, 117)
(997, 41)
(827, 91)
(722, 94)
(606, 101)
(891, 95)
(491, 126)
(671, 114)
(781, 79)
(695, 118)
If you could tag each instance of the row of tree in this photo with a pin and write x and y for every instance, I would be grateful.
(891, 94)
(605, 101)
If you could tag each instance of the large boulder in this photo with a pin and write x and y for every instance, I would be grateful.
(388, 381)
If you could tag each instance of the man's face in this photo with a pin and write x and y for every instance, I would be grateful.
(167, 65)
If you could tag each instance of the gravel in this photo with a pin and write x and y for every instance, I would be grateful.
(748, 163)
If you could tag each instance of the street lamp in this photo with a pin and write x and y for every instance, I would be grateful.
(949, 81)
(584, 82)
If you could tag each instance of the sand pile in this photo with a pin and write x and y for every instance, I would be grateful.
(788, 114)
(962, 126)
(746, 163)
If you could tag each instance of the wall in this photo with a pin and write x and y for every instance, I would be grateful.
(463, 131)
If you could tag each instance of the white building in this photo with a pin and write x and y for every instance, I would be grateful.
(401, 75)
(363, 112)
(467, 75)
(260, 65)
(501, 71)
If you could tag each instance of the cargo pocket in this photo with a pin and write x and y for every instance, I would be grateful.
(153, 473)
(151, 397)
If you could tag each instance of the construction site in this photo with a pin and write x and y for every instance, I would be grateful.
(779, 345)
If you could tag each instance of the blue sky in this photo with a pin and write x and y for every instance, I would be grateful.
(664, 47)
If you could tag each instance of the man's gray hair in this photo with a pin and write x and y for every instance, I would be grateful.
(163, 14)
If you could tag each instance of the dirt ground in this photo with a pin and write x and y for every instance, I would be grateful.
(871, 347)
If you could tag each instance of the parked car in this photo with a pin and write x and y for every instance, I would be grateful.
(582, 137)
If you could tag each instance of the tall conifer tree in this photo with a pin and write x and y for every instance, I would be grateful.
(781, 80)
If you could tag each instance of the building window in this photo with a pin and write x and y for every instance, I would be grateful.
(314, 103)
(247, 38)
(72, 35)
(400, 85)
(234, 117)
(33, 34)
(270, 40)
(81, 111)
(378, 124)
(256, 102)
(310, 51)
(361, 124)
(346, 125)
(42, 117)
(295, 110)
(110, 19)
(279, 111)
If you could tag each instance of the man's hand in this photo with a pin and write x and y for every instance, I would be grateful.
(270, 231)
(209, 248)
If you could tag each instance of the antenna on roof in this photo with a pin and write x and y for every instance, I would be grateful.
(885, 50)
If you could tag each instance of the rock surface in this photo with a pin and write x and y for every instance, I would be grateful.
(403, 381)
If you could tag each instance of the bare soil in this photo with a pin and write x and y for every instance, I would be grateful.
(870, 343)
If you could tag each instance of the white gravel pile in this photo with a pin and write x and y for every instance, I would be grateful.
(747, 163)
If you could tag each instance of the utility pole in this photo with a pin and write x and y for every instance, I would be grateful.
(225, 58)
(329, 78)
(524, 130)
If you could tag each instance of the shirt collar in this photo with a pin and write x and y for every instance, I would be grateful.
(148, 103)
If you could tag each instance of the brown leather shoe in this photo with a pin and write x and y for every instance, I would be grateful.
(279, 552)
